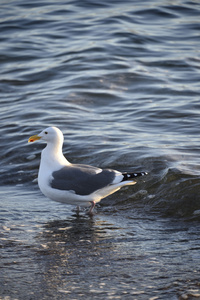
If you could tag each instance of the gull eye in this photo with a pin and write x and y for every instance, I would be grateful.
(46, 132)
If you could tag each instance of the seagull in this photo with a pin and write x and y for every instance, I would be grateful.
(75, 184)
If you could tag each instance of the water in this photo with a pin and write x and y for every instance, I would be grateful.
(121, 80)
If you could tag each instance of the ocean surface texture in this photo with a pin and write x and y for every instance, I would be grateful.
(121, 79)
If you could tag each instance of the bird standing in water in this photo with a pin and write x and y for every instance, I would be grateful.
(75, 184)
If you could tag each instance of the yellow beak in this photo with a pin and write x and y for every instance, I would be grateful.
(34, 138)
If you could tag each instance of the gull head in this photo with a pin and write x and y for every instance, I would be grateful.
(50, 135)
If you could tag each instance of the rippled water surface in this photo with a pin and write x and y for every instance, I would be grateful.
(121, 80)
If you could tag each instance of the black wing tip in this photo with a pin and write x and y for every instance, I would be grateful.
(128, 176)
(144, 173)
(140, 174)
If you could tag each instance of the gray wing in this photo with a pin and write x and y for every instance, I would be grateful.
(81, 179)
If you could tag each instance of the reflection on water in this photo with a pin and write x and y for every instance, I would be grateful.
(72, 250)
(95, 257)
(118, 252)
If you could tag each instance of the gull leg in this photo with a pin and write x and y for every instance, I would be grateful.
(91, 208)
(77, 210)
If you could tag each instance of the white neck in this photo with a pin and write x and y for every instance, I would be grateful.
(52, 156)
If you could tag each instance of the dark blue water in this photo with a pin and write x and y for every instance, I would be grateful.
(121, 80)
